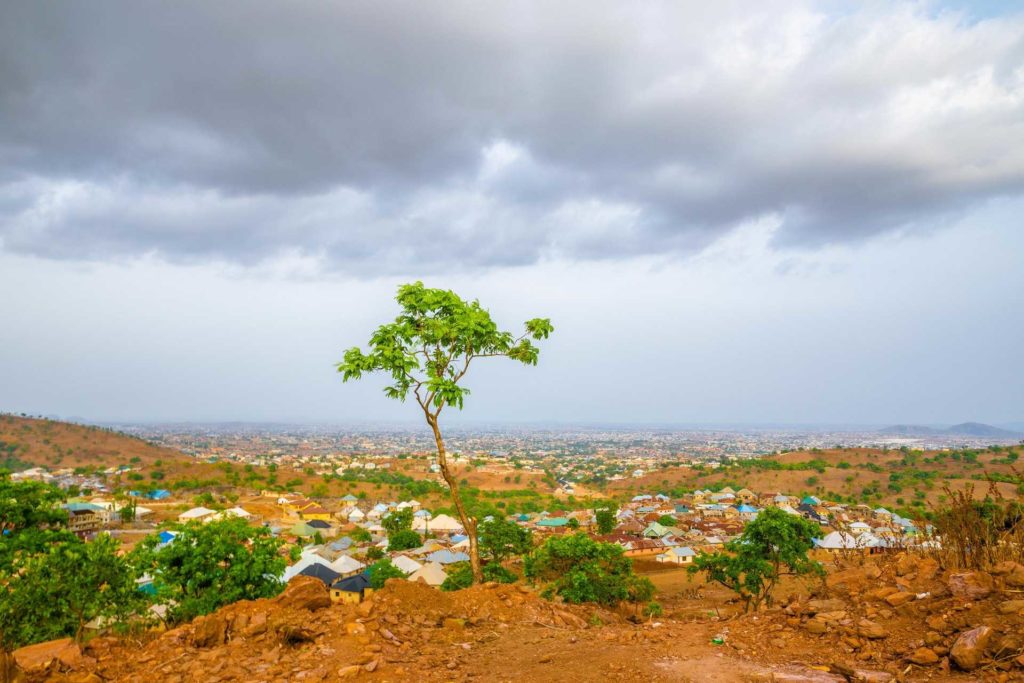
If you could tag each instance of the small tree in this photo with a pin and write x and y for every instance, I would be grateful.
(427, 352)
(667, 520)
(501, 539)
(773, 545)
(580, 569)
(397, 520)
(605, 518)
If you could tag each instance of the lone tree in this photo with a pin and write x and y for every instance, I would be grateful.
(772, 546)
(427, 352)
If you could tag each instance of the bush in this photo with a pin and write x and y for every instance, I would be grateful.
(461, 576)
(580, 569)
(404, 540)
(381, 571)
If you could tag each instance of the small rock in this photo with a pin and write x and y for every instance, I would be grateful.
(923, 656)
(871, 630)
(900, 598)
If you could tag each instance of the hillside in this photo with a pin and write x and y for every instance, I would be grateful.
(32, 442)
(975, 429)
(884, 477)
(884, 619)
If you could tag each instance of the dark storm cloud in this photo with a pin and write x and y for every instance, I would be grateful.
(378, 136)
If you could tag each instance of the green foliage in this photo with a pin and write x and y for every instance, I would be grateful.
(773, 545)
(430, 344)
(404, 540)
(381, 571)
(667, 520)
(374, 553)
(360, 535)
(501, 539)
(53, 594)
(397, 520)
(461, 576)
(29, 504)
(580, 569)
(606, 521)
(211, 565)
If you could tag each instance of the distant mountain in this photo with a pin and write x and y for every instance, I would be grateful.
(976, 429)
(979, 429)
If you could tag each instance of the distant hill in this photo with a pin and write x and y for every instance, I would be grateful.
(976, 429)
(32, 442)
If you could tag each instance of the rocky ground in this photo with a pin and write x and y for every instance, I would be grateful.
(881, 620)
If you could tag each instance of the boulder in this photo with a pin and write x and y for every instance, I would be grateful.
(209, 631)
(65, 653)
(871, 630)
(969, 649)
(1014, 576)
(970, 585)
(901, 598)
(304, 592)
(923, 656)
(816, 626)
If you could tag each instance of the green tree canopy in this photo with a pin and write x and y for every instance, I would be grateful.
(406, 539)
(605, 517)
(773, 545)
(427, 352)
(210, 565)
(381, 571)
(29, 505)
(580, 569)
(54, 594)
(501, 539)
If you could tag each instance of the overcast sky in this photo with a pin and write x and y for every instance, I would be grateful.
(732, 212)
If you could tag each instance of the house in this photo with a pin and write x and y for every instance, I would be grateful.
(406, 564)
(553, 522)
(314, 511)
(347, 566)
(322, 572)
(86, 518)
(447, 557)
(351, 589)
(196, 514)
(303, 563)
(677, 555)
(431, 574)
(439, 524)
(302, 530)
(747, 512)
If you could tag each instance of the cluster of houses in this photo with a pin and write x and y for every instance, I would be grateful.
(654, 527)
(340, 561)
(705, 520)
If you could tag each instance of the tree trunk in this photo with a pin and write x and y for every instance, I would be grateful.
(468, 523)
